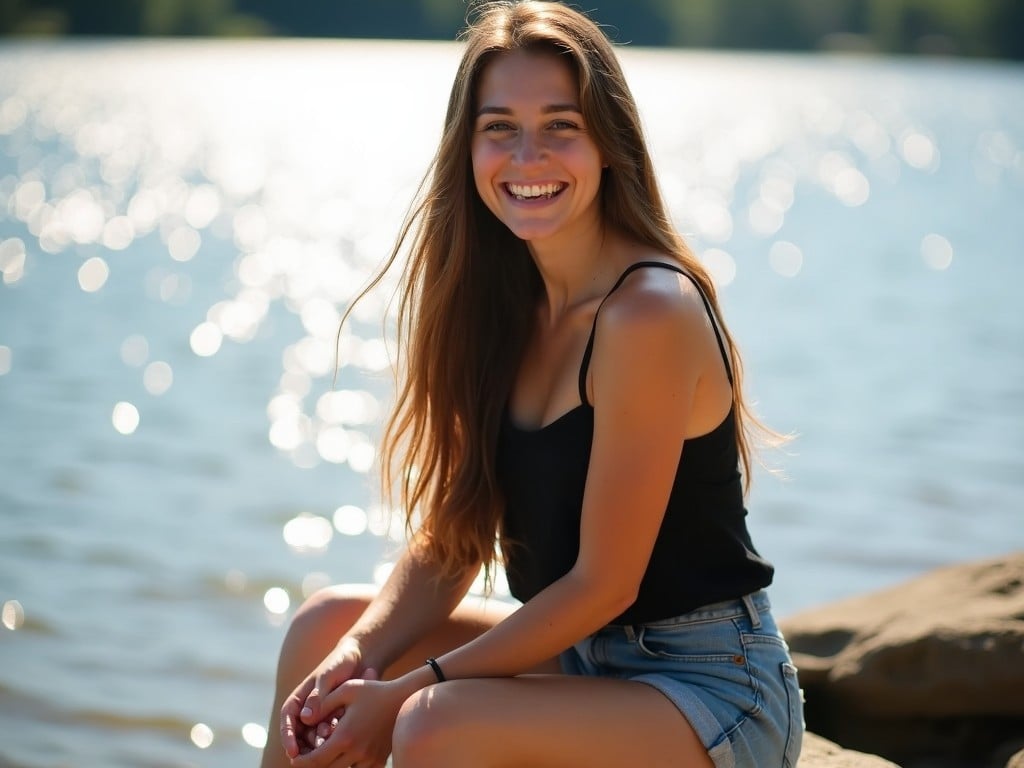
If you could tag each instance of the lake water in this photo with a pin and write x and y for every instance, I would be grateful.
(180, 222)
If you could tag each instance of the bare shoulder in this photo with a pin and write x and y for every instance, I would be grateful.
(651, 298)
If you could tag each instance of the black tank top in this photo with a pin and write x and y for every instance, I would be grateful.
(703, 553)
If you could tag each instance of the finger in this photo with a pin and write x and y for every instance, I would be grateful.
(326, 681)
(290, 724)
(371, 674)
(340, 697)
(289, 736)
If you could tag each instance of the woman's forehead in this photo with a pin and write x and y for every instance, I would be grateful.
(527, 77)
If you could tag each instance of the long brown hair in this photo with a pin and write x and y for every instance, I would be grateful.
(470, 285)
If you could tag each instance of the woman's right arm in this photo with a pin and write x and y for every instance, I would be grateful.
(413, 601)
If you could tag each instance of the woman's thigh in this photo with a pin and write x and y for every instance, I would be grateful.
(544, 720)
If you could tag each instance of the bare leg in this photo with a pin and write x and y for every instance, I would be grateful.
(544, 721)
(322, 620)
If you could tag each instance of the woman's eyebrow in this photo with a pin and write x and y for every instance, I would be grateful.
(495, 110)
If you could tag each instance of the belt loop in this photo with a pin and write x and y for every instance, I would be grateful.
(755, 618)
(630, 632)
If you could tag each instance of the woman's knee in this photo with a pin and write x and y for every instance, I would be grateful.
(429, 729)
(322, 619)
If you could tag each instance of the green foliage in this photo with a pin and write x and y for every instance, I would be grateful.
(968, 27)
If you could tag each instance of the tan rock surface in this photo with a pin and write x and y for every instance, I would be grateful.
(932, 666)
(819, 752)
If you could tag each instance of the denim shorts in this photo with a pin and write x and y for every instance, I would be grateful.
(725, 666)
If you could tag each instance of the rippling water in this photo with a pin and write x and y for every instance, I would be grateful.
(181, 221)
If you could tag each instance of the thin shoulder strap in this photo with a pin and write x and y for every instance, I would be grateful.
(585, 365)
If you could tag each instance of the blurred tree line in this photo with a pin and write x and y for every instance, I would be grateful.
(990, 28)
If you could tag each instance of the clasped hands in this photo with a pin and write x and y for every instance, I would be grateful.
(341, 716)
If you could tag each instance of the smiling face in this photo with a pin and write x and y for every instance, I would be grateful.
(534, 163)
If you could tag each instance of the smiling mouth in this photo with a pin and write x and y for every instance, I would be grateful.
(534, 191)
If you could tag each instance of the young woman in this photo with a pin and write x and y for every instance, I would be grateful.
(570, 403)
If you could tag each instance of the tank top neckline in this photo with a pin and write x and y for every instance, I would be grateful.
(584, 405)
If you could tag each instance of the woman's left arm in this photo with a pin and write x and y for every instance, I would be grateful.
(654, 344)
(647, 365)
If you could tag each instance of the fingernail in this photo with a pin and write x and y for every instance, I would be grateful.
(306, 712)
(320, 741)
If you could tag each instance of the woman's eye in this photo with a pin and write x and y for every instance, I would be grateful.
(564, 125)
(498, 127)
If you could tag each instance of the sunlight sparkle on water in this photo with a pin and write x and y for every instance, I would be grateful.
(276, 601)
(13, 615)
(12, 260)
(786, 258)
(350, 520)
(919, 151)
(308, 533)
(135, 350)
(201, 735)
(118, 233)
(93, 274)
(206, 339)
(158, 377)
(937, 252)
(720, 264)
(125, 418)
(255, 735)
(183, 243)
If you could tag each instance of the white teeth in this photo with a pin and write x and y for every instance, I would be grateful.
(532, 191)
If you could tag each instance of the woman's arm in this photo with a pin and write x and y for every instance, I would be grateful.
(656, 370)
(413, 601)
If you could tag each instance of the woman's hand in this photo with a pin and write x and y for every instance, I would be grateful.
(305, 721)
(361, 735)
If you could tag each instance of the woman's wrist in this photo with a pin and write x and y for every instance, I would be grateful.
(416, 680)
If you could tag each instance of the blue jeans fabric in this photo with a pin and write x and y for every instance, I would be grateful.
(725, 666)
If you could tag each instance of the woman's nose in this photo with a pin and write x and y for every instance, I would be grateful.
(530, 148)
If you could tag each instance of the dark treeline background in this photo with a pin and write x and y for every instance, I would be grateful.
(988, 28)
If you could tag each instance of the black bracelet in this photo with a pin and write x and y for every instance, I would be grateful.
(437, 669)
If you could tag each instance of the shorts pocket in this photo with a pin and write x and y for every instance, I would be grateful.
(717, 642)
(710, 658)
(795, 730)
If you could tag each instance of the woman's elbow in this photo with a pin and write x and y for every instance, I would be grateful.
(610, 594)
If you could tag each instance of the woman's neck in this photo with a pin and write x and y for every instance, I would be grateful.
(577, 269)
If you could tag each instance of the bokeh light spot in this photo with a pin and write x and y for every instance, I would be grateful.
(206, 339)
(276, 600)
(134, 350)
(93, 274)
(183, 243)
(786, 258)
(201, 735)
(125, 418)
(13, 615)
(255, 735)
(308, 533)
(118, 233)
(350, 520)
(720, 264)
(937, 252)
(12, 260)
(920, 152)
(851, 187)
(5, 360)
(158, 377)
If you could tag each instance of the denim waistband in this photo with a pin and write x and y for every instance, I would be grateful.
(751, 605)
